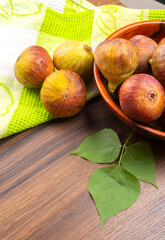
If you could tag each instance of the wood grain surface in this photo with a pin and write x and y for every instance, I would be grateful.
(43, 189)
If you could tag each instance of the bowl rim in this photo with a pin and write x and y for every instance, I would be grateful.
(139, 127)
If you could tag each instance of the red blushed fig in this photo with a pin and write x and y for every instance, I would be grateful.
(145, 47)
(117, 59)
(158, 63)
(142, 98)
(63, 93)
(32, 66)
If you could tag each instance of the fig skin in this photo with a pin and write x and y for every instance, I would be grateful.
(117, 59)
(75, 56)
(145, 47)
(32, 66)
(142, 98)
(63, 93)
(158, 63)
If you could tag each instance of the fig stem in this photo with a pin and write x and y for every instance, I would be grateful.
(123, 147)
(150, 61)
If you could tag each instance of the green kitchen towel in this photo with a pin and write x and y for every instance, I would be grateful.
(48, 23)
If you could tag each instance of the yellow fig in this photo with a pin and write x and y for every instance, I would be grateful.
(63, 93)
(75, 56)
(117, 59)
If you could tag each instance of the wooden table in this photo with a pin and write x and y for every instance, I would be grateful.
(43, 189)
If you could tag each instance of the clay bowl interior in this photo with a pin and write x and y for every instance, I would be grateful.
(153, 29)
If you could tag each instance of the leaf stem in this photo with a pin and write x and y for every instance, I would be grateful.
(123, 148)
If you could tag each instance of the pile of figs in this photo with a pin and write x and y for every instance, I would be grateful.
(62, 80)
(135, 72)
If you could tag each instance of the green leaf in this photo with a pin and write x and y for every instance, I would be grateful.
(113, 190)
(138, 159)
(101, 147)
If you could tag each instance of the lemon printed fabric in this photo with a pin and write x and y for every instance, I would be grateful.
(48, 23)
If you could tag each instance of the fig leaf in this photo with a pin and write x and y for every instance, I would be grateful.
(138, 159)
(101, 147)
(116, 187)
(113, 189)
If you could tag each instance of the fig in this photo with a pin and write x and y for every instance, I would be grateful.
(117, 59)
(145, 47)
(32, 66)
(158, 64)
(75, 56)
(63, 93)
(142, 98)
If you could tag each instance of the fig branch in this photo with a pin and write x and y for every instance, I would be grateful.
(123, 148)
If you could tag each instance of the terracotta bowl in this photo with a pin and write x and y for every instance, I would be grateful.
(153, 29)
